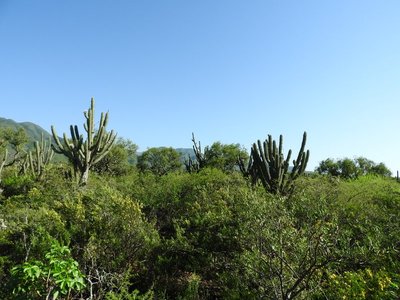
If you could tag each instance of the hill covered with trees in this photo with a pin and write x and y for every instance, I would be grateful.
(34, 132)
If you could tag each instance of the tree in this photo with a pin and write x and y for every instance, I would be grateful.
(130, 148)
(351, 169)
(119, 159)
(328, 166)
(220, 156)
(160, 161)
(367, 166)
(15, 140)
(381, 169)
(12, 144)
(84, 154)
(224, 156)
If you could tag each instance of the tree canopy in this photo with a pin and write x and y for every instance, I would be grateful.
(160, 161)
(352, 168)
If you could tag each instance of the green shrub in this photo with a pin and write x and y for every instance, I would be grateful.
(57, 274)
(362, 284)
(16, 185)
(109, 235)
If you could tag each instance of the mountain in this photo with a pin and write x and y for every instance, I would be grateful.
(186, 153)
(33, 131)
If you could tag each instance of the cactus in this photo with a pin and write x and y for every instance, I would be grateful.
(267, 164)
(248, 171)
(191, 165)
(3, 160)
(84, 154)
(200, 162)
(37, 160)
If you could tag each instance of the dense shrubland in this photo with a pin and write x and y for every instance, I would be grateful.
(211, 233)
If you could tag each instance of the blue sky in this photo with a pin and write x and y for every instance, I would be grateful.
(229, 71)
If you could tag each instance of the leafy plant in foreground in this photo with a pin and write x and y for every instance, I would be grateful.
(58, 275)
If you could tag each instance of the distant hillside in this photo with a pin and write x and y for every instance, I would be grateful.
(186, 153)
(33, 131)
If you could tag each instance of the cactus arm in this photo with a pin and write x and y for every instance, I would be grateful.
(106, 147)
(37, 160)
(58, 146)
(299, 165)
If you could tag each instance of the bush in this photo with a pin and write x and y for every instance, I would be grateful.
(198, 217)
(16, 185)
(109, 235)
(57, 274)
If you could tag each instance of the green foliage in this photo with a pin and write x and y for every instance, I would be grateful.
(14, 139)
(119, 160)
(59, 274)
(220, 156)
(198, 217)
(84, 154)
(27, 226)
(130, 148)
(361, 284)
(16, 185)
(110, 234)
(286, 247)
(33, 131)
(192, 290)
(106, 231)
(224, 157)
(351, 169)
(160, 161)
(202, 235)
(125, 293)
(12, 144)
(369, 206)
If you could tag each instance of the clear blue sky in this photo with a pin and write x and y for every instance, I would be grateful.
(229, 71)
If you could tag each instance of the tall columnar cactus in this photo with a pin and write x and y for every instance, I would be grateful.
(38, 159)
(84, 154)
(268, 165)
(200, 162)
